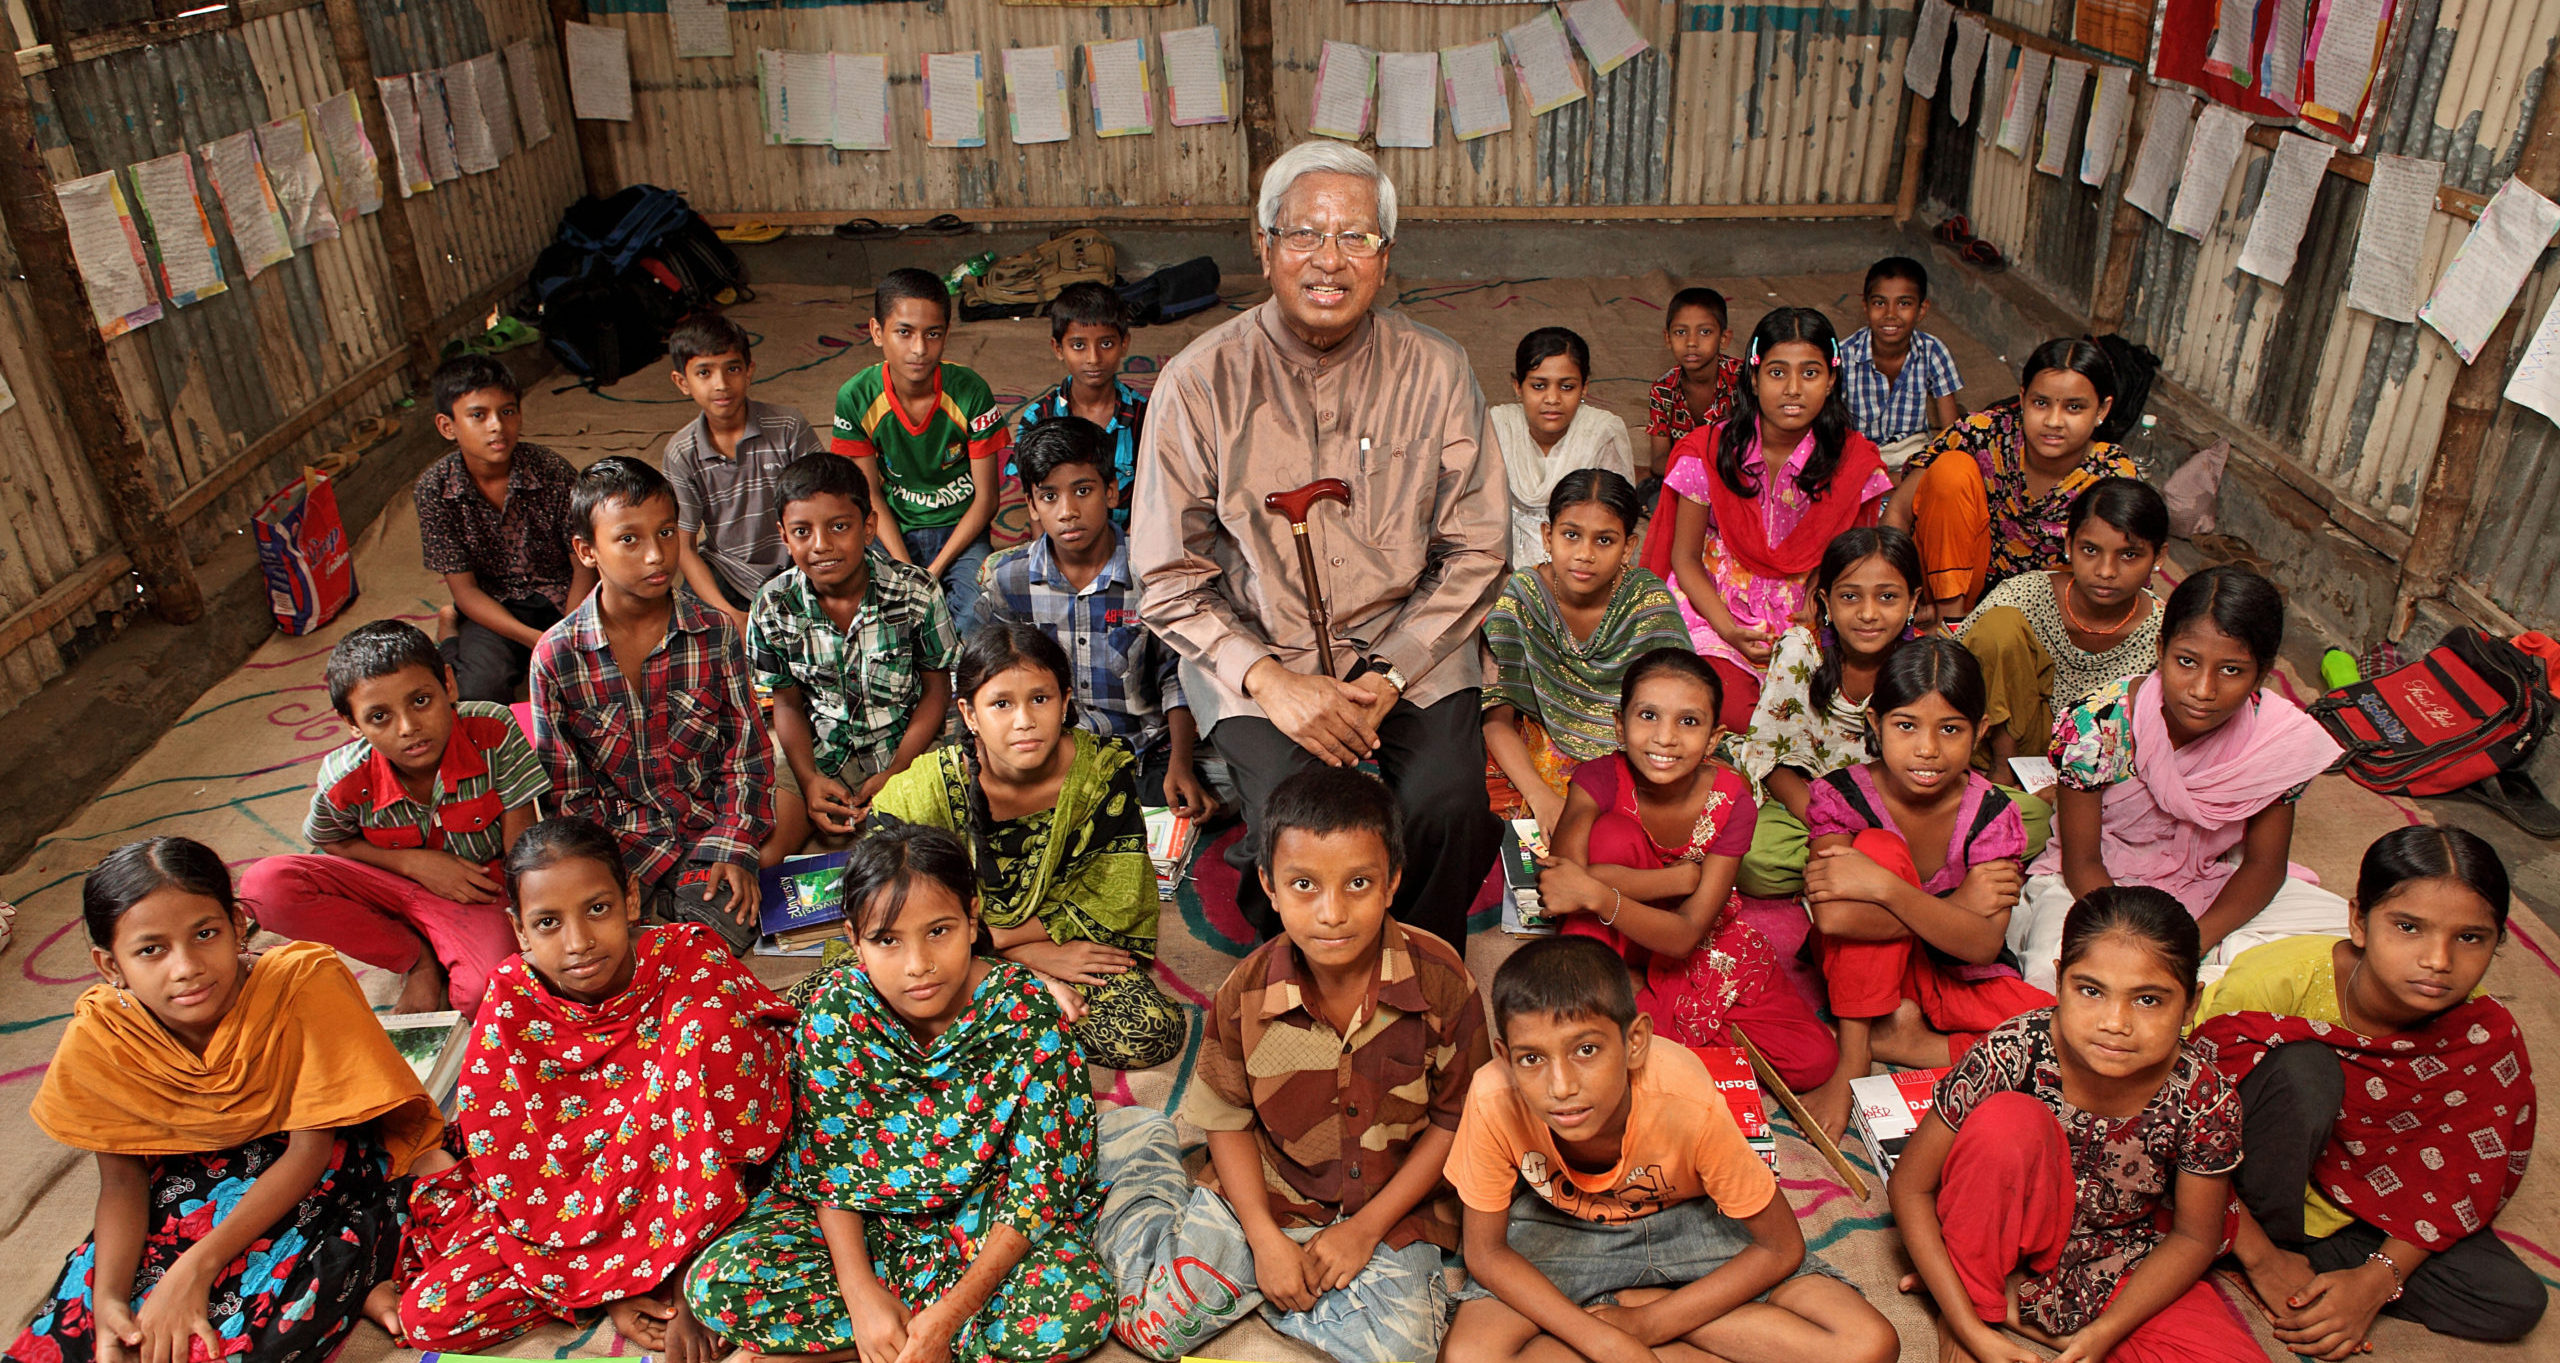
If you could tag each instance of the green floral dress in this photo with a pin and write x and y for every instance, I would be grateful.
(1787, 731)
(935, 1145)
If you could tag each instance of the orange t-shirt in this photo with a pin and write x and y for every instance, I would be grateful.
(1681, 1144)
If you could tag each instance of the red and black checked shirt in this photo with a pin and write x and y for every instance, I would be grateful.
(678, 765)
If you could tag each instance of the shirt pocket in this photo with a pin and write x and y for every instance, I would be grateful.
(1397, 494)
(694, 732)
(480, 813)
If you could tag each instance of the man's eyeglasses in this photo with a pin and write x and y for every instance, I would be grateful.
(1306, 241)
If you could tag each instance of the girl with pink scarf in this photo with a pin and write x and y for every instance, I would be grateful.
(2184, 779)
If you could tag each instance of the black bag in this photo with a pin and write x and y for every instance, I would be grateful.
(619, 273)
(2135, 366)
(603, 329)
(1172, 293)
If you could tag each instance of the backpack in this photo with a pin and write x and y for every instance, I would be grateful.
(1172, 293)
(2472, 707)
(1019, 285)
(619, 273)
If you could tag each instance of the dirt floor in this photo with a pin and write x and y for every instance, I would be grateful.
(235, 771)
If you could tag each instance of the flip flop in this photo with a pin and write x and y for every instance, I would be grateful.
(941, 225)
(865, 229)
(2513, 796)
(1982, 253)
(1955, 231)
(752, 232)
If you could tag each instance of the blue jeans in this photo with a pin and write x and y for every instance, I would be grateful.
(1185, 1270)
(960, 580)
(1588, 1260)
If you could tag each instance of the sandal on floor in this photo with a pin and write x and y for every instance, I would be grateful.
(752, 232)
(1955, 231)
(941, 225)
(865, 229)
(2515, 798)
(1981, 253)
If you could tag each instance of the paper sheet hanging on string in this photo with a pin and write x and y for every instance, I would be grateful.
(1928, 48)
(293, 169)
(1195, 77)
(2284, 207)
(798, 91)
(1606, 35)
(2391, 239)
(2164, 149)
(1346, 74)
(2490, 267)
(1116, 84)
(701, 28)
(1479, 101)
(474, 148)
(190, 264)
(1964, 72)
(2234, 32)
(861, 101)
(599, 60)
(524, 77)
(496, 109)
(1408, 98)
(2108, 115)
(108, 251)
(1549, 76)
(2213, 151)
(955, 99)
(354, 170)
(248, 202)
(435, 127)
(1995, 87)
(400, 120)
(2061, 114)
(2280, 66)
(1035, 95)
(2347, 37)
(2536, 382)
(2018, 113)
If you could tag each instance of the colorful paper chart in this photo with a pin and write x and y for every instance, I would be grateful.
(955, 99)
(1116, 85)
(108, 250)
(164, 192)
(1549, 76)
(1195, 76)
(1346, 82)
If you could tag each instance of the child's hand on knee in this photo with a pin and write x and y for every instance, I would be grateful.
(1283, 1272)
(1339, 1253)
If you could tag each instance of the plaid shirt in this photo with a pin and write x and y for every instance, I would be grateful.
(1126, 680)
(1889, 409)
(677, 764)
(1128, 422)
(486, 770)
(862, 685)
(514, 552)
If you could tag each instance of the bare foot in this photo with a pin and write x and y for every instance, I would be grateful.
(1903, 1038)
(382, 1307)
(2276, 1277)
(423, 989)
(448, 623)
(1951, 1349)
(641, 1320)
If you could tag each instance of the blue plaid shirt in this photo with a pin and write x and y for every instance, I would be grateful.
(1125, 678)
(1889, 409)
(1128, 420)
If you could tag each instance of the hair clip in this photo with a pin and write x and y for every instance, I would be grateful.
(1752, 357)
(1835, 352)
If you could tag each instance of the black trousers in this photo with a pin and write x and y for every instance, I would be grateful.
(2475, 1289)
(488, 665)
(1432, 759)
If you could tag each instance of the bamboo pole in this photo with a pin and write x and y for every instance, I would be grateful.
(411, 304)
(100, 418)
(1915, 146)
(1261, 123)
(2124, 228)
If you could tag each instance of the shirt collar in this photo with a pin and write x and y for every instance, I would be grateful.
(1115, 570)
(1399, 987)
(752, 434)
(462, 761)
(1757, 457)
(1296, 351)
(520, 473)
(687, 616)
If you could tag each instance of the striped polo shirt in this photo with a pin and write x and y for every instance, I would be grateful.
(487, 770)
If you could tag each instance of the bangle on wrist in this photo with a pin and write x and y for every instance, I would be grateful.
(1610, 919)
(2392, 1267)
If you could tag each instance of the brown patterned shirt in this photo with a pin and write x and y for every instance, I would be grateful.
(1335, 1116)
(513, 552)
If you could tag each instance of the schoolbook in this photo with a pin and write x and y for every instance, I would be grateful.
(1731, 1071)
(1169, 841)
(804, 894)
(1888, 1108)
(1524, 913)
(432, 1044)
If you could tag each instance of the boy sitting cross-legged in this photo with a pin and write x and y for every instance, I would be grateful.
(412, 818)
(1639, 1184)
(642, 713)
(1332, 1069)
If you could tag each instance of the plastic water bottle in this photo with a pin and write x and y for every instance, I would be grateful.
(974, 265)
(2142, 446)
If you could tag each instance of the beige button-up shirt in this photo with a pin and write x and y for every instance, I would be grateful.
(1410, 568)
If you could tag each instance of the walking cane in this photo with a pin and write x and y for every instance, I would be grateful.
(1296, 504)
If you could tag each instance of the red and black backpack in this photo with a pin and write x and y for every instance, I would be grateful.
(2472, 707)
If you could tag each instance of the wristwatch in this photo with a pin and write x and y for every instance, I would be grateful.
(1383, 668)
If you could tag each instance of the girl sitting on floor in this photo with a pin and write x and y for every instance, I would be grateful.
(1561, 635)
(254, 1129)
(1761, 496)
(1051, 812)
(1645, 859)
(600, 1029)
(2387, 1107)
(935, 1199)
(1987, 501)
(1812, 717)
(2185, 779)
(1551, 432)
(1916, 863)
(2046, 640)
(2085, 1149)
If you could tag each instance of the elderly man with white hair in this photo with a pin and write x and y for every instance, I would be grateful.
(1307, 386)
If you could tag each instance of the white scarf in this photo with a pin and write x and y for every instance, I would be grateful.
(1596, 439)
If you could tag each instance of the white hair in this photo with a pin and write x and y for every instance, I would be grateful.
(1323, 156)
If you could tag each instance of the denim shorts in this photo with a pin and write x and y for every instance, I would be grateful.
(1588, 1260)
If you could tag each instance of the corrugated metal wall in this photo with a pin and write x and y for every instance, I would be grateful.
(208, 381)
(1734, 104)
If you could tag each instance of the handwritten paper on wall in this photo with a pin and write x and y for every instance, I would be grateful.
(495, 108)
(799, 93)
(354, 170)
(1345, 76)
(1548, 74)
(190, 265)
(524, 77)
(435, 127)
(474, 147)
(2490, 267)
(1035, 95)
(1195, 76)
(2164, 150)
(2391, 241)
(1479, 102)
(2107, 119)
(2018, 114)
(2351, 32)
(955, 99)
(400, 117)
(1995, 87)
(1964, 73)
(109, 253)
(2061, 114)
(2280, 65)
(293, 169)
(701, 27)
(599, 61)
(862, 101)
(2235, 27)
(2212, 153)
(1928, 48)
(248, 202)
(2536, 382)
(1408, 98)
(1116, 83)
(1607, 38)
(2284, 207)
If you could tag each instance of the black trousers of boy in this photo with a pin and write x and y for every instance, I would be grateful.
(1432, 759)
(488, 665)
(2475, 1289)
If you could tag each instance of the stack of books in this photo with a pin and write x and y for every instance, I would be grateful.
(432, 1043)
(1731, 1070)
(1887, 1108)
(1524, 914)
(804, 901)
(1169, 841)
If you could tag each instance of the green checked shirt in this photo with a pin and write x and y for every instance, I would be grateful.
(860, 686)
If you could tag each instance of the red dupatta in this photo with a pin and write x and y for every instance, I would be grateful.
(1739, 522)
(2437, 1123)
